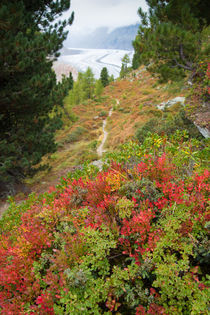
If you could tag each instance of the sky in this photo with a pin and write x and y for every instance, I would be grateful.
(91, 14)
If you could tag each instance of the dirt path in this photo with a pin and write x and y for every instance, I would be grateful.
(100, 149)
(45, 186)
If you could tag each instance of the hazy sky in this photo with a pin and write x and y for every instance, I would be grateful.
(90, 14)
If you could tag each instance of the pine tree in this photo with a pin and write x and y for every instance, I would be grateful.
(124, 68)
(83, 88)
(111, 78)
(135, 60)
(169, 39)
(29, 94)
(88, 83)
(69, 86)
(77, 91)
(104, 76)
(98, 88)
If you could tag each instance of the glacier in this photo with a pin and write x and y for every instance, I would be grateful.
(96, 59)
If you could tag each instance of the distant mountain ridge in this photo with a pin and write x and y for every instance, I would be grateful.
(119, 38)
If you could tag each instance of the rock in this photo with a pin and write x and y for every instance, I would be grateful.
(98, 163)
(201, 120)
(178, 99)
(204, 131)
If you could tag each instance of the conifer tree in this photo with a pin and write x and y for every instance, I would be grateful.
(88, 83)
(169, 39)
(83, 88)
(124, 68)
(104, 76)
(98, 88)
(77, 91)
(111, 78)
(29, 94)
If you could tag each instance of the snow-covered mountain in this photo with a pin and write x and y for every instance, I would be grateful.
(119, 38)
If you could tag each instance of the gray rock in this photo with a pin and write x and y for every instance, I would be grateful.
(98, 163)
(178, 99)
(204, 131)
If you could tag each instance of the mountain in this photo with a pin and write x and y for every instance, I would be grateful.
(119, 38)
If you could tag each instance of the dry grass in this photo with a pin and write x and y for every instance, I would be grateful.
(138, 99)
(134, 102)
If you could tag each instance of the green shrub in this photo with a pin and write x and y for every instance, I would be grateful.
(93, 145)
(103, 113)
(172, 257)
(75, 135)
(150, 126)
(167, 125)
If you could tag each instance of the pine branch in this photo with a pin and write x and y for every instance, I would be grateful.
(183, 58)
(39, 18)
(182, 66)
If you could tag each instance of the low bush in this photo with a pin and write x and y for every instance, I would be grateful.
(131, 239)
(93, 145)
(103, 113)
(75, 135)
(168, 124)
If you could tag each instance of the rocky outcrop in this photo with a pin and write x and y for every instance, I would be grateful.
(178, 99)
(202, 120)
(204, 131)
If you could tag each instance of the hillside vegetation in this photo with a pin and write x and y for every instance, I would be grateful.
(130, 239)
(134, 101)
(122, 233)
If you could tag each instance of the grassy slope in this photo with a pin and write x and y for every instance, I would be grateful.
(137, 96)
